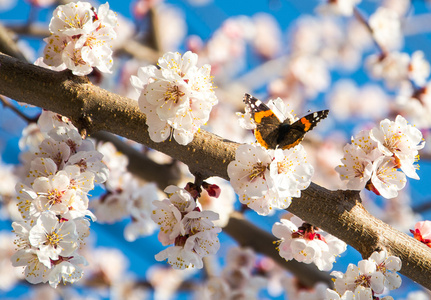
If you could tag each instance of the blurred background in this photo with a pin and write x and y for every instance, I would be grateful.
(297, 50)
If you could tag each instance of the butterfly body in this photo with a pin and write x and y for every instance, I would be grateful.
(271, 133)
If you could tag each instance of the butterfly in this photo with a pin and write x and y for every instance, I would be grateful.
(271, 133)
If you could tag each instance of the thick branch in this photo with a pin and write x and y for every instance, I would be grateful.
(338, 212)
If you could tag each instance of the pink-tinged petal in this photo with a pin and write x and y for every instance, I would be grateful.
(424, 228)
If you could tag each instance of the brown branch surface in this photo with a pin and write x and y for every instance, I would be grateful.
(338, 212)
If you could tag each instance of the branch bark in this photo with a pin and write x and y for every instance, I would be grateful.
(338, 212)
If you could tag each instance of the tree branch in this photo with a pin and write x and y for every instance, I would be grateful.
(338, 212)
(8, 45)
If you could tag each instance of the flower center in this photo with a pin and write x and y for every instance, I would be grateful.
(82, 165)
(363, 280)
(72, 145)
(359, 169)
(173, 94)
(393, 142)
(77, 59)
(257, 171)
(381, 268)
(54, 196)
(53, 239)
(284, 166)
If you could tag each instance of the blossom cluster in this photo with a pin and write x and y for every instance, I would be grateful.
(370, 277)
(238, 279)
(384, 24)
(396, 68)
(184, 224)
(53, 202)
(125, 197)
(374, 157)
(306, 243)
(80, 38)
(266, 179)
(176, 96)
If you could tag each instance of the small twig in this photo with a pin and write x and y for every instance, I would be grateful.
(199, 179)
(32, 15)
(421, 208)
(154, 30)
(8, 45)
(139, 51)
(8, 104)
(35, 30)
(362, 19)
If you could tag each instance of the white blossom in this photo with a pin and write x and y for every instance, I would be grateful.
(419, 68)
(81, 38)
(183, 224)
(386, 179)
(357, 167)
(370, 277)
(177, 98)
(392, 67)
(53, 238)
(67, 271)
(180, 258)
(73, 19)
(34, 270)
(374, 157)
(267, 179)
(290, 171)
(249, 173)
(400, 139)
(301, 241)
(386, 28)
(54, 204)
(388, 266)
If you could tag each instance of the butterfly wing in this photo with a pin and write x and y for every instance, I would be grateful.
(267, 123)
(290, 135)
(271, 133)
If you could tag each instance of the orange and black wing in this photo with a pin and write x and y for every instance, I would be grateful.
(290, 135)
(271, 133)
(267, 123)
